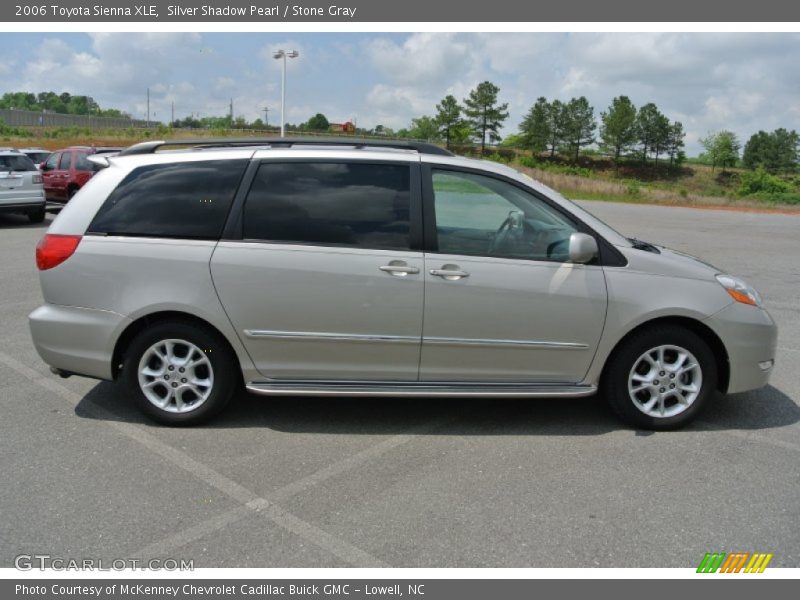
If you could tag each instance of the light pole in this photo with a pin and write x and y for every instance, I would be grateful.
(278, 55)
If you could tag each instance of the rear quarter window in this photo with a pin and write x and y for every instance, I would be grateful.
(176, 200)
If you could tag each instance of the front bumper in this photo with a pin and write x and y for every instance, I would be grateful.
(76, 340)
(750, 336)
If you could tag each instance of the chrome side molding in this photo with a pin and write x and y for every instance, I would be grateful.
(419, 389)
(313, 336)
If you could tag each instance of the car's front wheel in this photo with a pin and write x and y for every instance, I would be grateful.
(660, 378)
(179, 373)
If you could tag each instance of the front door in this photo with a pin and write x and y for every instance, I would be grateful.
(502, 303)
(325, 283)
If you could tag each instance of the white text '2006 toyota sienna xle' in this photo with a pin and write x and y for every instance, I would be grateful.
(378, 268)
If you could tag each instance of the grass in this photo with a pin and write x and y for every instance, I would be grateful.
(596, 178)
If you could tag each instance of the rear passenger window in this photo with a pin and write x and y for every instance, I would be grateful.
(82, 163)
(176, 200)
(349, 204)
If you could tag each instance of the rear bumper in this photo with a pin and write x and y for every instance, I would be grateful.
(76, 340)
(750, 336)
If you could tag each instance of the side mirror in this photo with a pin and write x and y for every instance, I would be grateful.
(582, 248)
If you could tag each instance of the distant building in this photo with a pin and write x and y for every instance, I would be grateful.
(346, 127)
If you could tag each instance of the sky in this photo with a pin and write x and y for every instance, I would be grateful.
(709, 81)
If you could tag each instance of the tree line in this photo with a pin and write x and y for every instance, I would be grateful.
(569, 126)
(623, 130)
(777, 152)
(58, 103)
(556, 126)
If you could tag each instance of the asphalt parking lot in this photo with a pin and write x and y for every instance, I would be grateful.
(301, 482)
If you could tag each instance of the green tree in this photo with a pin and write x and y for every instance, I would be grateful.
(675, 144)
(776, 152)
(425, 128)
(649, 127)
(461, 133)
(484, 114)
(785, 150)
(722, 148)
(558, 119)
(660, 140)
(318, 123)
(618, 129)
(580, 125)
(757, 150)
(448, 117)
(535, 128)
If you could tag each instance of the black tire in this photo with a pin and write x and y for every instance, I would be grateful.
(225, 369)
(36, 216)
(618, 370)
(71, 191)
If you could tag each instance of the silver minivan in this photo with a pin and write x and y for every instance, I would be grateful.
(344, 268)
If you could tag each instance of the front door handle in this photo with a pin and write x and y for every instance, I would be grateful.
(399, 268)
(449, 273)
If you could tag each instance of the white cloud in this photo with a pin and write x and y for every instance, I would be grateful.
(423, 60)
(742, 82)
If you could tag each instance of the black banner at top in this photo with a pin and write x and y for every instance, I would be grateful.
(468, 11)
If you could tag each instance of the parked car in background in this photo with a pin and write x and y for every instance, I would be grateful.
(377, 269)
(66, 171)
(37, 155)
(21, 188)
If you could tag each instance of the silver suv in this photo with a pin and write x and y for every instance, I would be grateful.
(21, 189)
(378, 269)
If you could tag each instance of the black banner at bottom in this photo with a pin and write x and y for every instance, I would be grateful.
(381, 589)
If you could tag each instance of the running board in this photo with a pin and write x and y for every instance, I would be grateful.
(418, 389)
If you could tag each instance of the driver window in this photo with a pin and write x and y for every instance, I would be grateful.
(478, 215)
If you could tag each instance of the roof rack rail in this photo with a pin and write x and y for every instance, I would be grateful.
(152, 147)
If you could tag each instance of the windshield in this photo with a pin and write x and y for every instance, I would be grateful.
(16, 162)
(37, 157)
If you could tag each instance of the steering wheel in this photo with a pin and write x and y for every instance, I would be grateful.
(513, 224)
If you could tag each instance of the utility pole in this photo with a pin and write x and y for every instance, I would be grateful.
(266, 117)
(173, 114)
(148, 108)
(231, 112)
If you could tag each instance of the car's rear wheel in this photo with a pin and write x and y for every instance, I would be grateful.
(179, 373)
(36, 216)
(660, 378)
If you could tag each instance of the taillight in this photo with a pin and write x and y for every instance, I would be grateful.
(37, 178)
(53, 249)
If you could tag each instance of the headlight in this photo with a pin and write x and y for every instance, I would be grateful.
(739, 290)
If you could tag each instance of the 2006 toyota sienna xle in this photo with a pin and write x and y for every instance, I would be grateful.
(378, 269)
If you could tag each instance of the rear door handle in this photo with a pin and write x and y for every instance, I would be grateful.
(399, 268)
(449, 273)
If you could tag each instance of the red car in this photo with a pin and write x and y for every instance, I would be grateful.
(66, 171)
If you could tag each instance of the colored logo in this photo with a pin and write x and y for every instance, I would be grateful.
(735, 562)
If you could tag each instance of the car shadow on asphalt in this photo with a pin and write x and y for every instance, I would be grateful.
(762, 409)
(15, 221)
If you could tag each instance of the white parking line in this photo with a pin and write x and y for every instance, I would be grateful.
(281, 517)
(200, 530)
